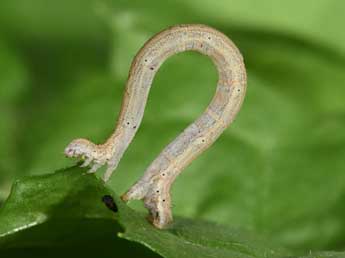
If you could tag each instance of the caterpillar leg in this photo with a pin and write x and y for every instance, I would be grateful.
(94, 168)
(94, 155)
(87, 162)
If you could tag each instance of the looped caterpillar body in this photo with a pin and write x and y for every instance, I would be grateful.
(154, 186)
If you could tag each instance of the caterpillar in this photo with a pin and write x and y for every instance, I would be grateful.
(154, 186)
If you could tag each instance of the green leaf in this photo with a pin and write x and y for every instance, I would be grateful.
(64, 209)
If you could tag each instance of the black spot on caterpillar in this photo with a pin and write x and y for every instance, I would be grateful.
(110, 203)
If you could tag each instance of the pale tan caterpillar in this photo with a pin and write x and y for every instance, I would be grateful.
(154, 186)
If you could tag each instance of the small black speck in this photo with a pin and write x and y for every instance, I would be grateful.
(109, 202)
(203, 140)
(163, 200)
(163, 174)
(209, 37)
(157, 191)
(152, 68)
(145, 60)
(128, 123)
(238, 90)
(134, 127)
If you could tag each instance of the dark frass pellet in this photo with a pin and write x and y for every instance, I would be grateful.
(110, 203)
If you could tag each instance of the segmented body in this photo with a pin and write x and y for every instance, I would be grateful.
(154, 186)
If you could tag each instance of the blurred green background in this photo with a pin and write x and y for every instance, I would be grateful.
(279, 170)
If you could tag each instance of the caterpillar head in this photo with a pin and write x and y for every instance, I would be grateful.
(80, 148)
